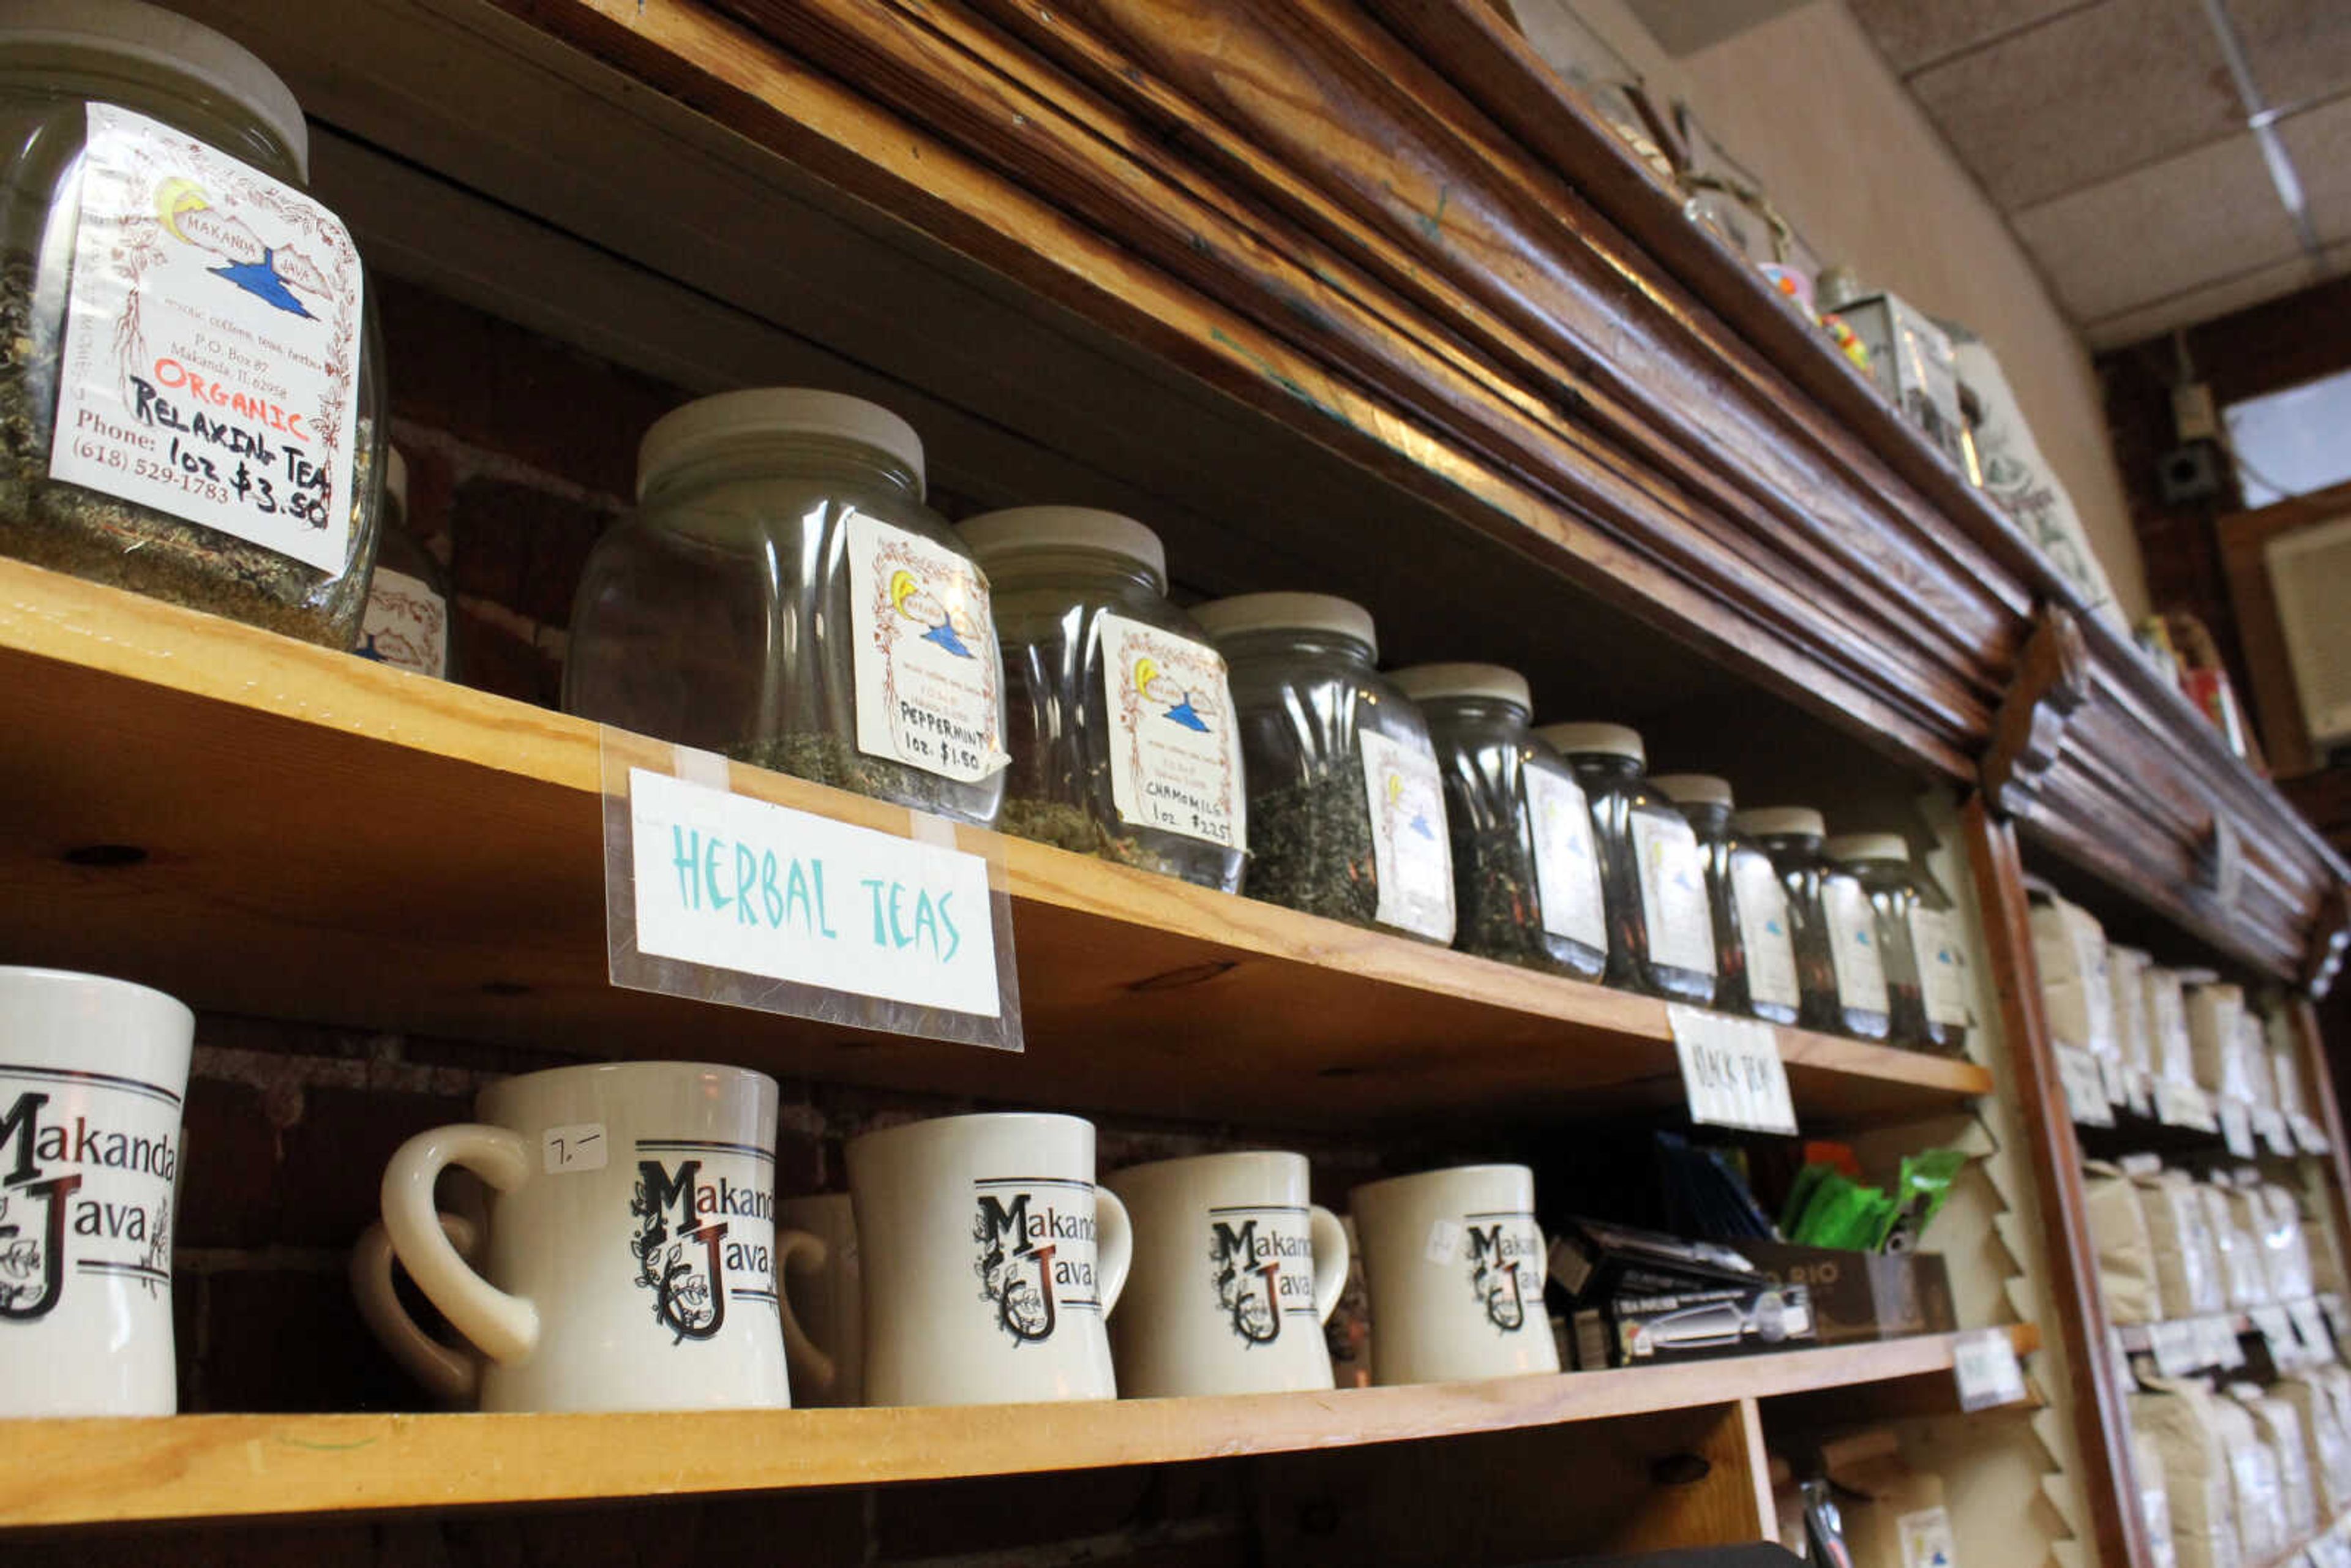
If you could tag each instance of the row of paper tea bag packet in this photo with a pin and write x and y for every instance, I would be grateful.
(2244, 1475)
(2180, 1046)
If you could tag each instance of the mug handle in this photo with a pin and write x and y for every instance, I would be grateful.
(448, 1373)
(1332, 1257)
(503, 1327)
(1115, 1248)
(802, 1252)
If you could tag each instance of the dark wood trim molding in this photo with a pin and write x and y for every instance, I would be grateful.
(2052, 682)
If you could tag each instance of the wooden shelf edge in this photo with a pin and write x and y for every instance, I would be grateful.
(91, 1471)
(50, 616)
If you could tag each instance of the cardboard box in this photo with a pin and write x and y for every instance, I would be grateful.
(1862, 1295)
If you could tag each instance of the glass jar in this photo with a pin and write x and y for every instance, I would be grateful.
(782, 595)
(407, 623)
(1837, 964)
(1346, 809)
(1943, 982)
(189, 387)
(1526, 885)
(1117, 709)
(1881, 863)
(1661, 930)
(1753, 952)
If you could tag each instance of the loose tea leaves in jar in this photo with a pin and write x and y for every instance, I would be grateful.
(189, 384)
(1346, 809)
(1661, 925)
(1753, 948)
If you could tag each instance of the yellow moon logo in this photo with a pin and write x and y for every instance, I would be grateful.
(175, 198)
(1146, 670)
(1395, 787)
(902, 586)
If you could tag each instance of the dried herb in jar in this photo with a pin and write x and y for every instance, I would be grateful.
(1311, 847)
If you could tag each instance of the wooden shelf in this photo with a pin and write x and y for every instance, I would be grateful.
(330, 840)
(197, 1467)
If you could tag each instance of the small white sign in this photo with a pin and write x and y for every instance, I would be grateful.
(2237, 1128)
(1731, 1071)
(582, 1146)
(2085, 1087)
(2138, 1087)
(1445, 1238)
(2269, 1122)
(1985, 1365)
(2308, 1135)
(2115, 1077)
(736, 883)
(2216, 1342)
(2310, 1325)
(2179, 1105)
(2179, 1350)
(2275, 1327)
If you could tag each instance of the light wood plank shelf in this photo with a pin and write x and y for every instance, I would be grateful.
(197, 1467)
(332, 840)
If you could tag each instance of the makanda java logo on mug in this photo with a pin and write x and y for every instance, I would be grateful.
(86, 1190)
(1036, 1255)
(1263, 1271)
(1502, 1251)
(697, 1242)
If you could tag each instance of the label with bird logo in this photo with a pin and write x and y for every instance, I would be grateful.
(1411, 854)
(929, 679)
(1175, 761)
(212, 343)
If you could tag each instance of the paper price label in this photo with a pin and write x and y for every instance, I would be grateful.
(2216, 1343)
(2310, 1326)
(1984, 1363)
(2139, 1091)
(2177, 1349)
(2308, 1135)
(2179, 1104)
(2085, 1087)
(2115, 1077)
(2237, 1128)
(2277, 1328)
(1731, 1071)
(1444, 1244)
(2338, 1317)
(2270, 1124)
(734, 883)
(582, 1146)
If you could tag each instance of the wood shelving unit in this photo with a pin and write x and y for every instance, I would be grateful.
(330, 840)
(197, 1467)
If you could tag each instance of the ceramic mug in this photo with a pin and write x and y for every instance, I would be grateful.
(1234, 1274)
(1455, 1262)
(630, 1255)
(990, 1260)
(826, 1292)
(92, 1074)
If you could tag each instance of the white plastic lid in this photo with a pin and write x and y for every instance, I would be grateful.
(684, 434)
(1608, 739)
(132, 29)
(1421, 682)
(994, 535)
(1868, 847)
(1692, 788)
(395, 478)
(1771, 821)
(1222, 618)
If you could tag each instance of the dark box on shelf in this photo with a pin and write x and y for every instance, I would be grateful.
(1862, 1295)
(1691, 1324)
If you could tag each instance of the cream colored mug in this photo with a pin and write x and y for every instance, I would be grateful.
(1455, 1264)
(629, 1251)
(990, 1260)
(1234, 1274)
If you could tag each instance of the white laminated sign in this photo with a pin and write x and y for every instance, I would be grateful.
(212, 343)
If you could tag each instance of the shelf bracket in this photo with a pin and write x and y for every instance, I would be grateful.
(2052, 682)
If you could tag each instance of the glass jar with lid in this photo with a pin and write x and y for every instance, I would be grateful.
(190, 393)
(1117, 707)
(1346, 809)
(1922, 962)
(781, 594)
(407, 622)
(1526, 881)
(1754, 952)
(1661, 925)
(1838, 967)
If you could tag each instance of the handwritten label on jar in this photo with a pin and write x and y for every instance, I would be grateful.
(1567, 871)
(1853, 945)
(1410, 854)
(1673, 893)
(1763, 931)
(406, 624)
(929, 681)
(1175, 760)
(1942, 976)
(211, 347)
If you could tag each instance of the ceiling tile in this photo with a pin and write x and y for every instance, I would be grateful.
(2214, 300)
(2187, 222)
(2299, 50)
(1911, 34)
(2082, 97)
(2318, 143)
